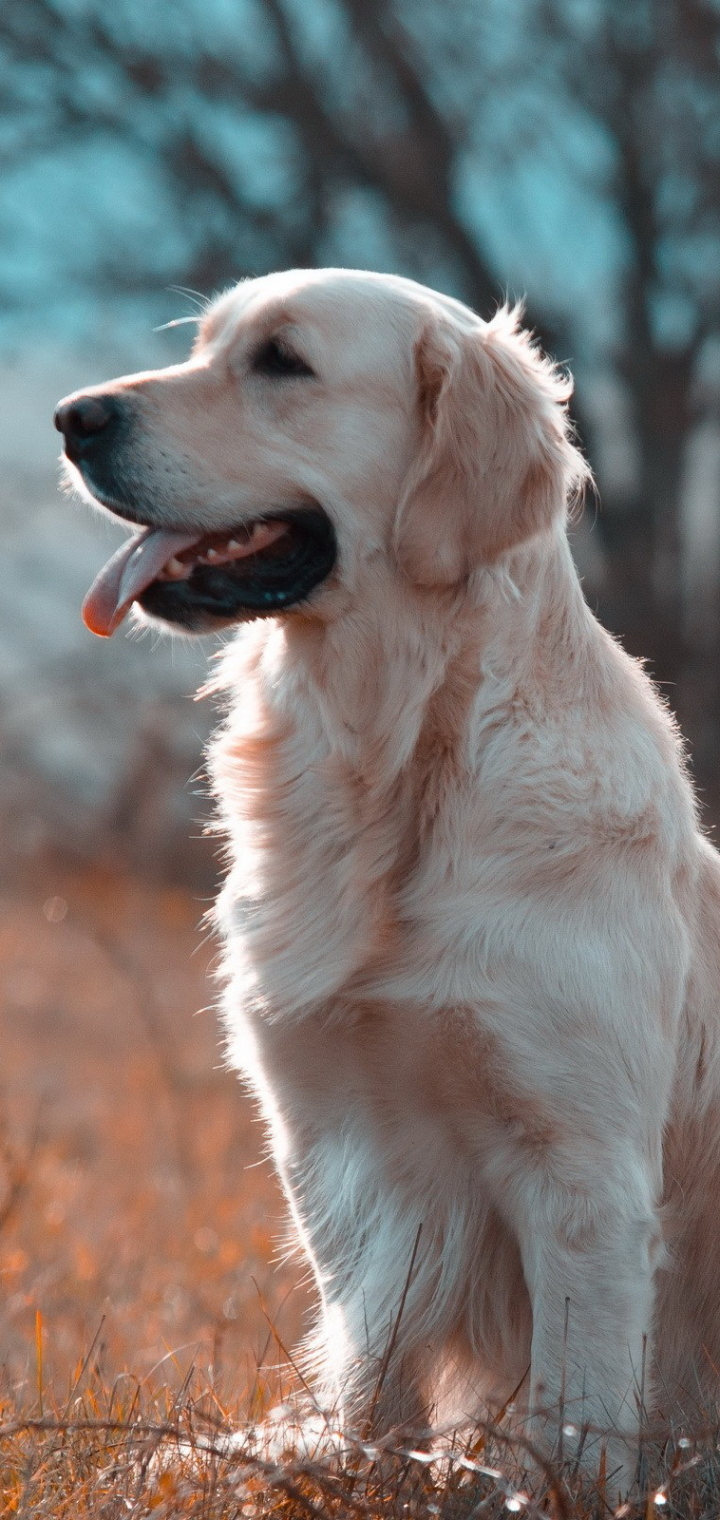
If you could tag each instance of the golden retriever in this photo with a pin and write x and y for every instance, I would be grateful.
(472, 929)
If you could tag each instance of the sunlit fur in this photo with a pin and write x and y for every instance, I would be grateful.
(473, 933)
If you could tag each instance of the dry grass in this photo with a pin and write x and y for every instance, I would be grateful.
(143, 1311)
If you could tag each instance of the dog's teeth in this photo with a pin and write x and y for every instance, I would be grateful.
(212, 554)
(175, 568)
(233, 543)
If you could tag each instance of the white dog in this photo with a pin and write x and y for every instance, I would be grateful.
(473, 932)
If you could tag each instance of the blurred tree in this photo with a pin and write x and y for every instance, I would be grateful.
(256, 129)
(649, 74)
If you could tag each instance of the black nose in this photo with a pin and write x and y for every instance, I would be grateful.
(82, 418)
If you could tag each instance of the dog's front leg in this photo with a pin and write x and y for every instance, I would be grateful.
(588, 1245)
(372, 1354)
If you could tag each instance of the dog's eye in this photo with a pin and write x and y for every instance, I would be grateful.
(275, 358)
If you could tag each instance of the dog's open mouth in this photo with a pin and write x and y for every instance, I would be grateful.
(205, 581)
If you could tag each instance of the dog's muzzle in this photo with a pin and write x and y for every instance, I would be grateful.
(198, 579)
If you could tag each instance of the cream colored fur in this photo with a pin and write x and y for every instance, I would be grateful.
(473, 932)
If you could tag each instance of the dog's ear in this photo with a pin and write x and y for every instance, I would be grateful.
(496, 463)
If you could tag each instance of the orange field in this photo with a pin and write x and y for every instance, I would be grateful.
(137, 1214)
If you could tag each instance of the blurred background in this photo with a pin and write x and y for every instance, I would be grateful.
(567, 151)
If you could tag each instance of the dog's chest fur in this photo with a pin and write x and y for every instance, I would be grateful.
(388, 934)
(384, 1094)
(336, 902)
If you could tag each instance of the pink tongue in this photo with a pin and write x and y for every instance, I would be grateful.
(134, 566)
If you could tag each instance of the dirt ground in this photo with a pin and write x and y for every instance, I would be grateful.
(139, 1222)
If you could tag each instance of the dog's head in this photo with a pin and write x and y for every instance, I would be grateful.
(324, 418)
